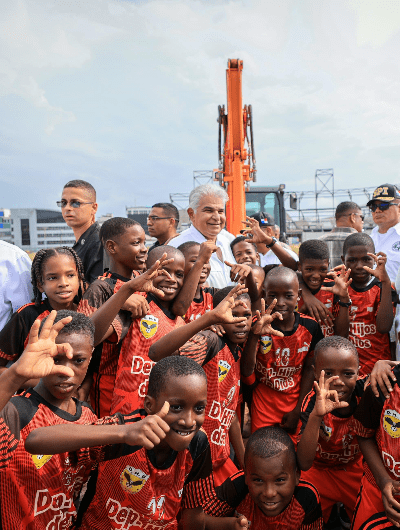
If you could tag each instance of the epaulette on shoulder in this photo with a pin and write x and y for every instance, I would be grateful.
(307, 495)
(25, 306)
(26, 408)
(198, 444)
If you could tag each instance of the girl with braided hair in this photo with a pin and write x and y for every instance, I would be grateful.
(59, 274)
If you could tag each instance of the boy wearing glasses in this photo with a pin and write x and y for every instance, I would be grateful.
(385, 208)
(78, 207)
(162, 223)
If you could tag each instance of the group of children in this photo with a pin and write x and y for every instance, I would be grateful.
(169, 366)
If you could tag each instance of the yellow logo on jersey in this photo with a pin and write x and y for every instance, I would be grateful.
(149, 326)
(266, 344)
(325, 432)
(391, 423)
(223, 369)
(40, 460)
(133, 480)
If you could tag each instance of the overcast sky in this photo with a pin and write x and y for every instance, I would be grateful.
(124, 94)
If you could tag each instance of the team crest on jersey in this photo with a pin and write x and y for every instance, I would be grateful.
(391, 423)
(266, 344)
(133, 480)
(149, 326)
(325, 432)
(223, 369)
(40, 460)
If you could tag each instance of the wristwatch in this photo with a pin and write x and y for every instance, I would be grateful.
(345, 304)
(274, 240)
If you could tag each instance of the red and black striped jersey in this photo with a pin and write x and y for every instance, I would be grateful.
(233, 498)
(371, 345)
(201, 305)
(15, 334)
(329, 300)
(380, 417)
(132, 492)
(221, 363)
(337, 441)
(38, 491)
(105, 355)
(134, 364)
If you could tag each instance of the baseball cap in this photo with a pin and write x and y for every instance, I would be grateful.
(264, 219)
(385, 193)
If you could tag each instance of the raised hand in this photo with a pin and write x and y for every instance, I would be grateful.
(223, 312)
(254, 234)
(326, 400)
(380, 377)
(144, 282)
(137, 305)
(149, 431)
(380, 271)
(37, 360)
(342, 280)
(207, 248)
(262, 325)
(238, 272)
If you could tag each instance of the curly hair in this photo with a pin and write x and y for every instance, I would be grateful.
(38, 263)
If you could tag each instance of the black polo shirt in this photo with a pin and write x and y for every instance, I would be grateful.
(90, 250)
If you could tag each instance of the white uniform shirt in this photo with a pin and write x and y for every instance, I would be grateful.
(270, 258)
(220, 273)
(15, 280)
(389, 243)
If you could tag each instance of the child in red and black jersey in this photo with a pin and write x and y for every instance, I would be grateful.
(56, 272)
(194, 300)
(123, 239)
(372, 300)
(161, 458)
(333, 293)
(283, 364)
(245, 252)
(38, 491)
(220, 358)
(269, 494)
(378, 429)
(134, 364)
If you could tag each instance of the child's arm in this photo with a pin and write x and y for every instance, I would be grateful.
(255, 235)
(192, 518)
(185, 297)
(340, 289)
(384, 315)
(226, 523)
(104, 316)
(243, 273)
(172, 341)
(235, 437)
(57, 439)
(387, 486)
(381, 372)
(37, 360)
(262, 326)
(290, 420)
(307, 446)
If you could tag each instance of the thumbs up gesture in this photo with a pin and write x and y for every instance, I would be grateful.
(149, 431)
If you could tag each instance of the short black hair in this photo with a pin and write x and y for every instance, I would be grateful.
(346, 207)
(239, 239)
(277, 273)
(173, 366)
(115, 227)
(82, 184)
(185, 247)
(157, 252)
(359, 239)
(80, 324)
(336, 342)
(268, 442)
(169, 209)
(222, 293)
(313, 249)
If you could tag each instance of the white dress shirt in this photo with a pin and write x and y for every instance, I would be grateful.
(15, 280)
(389, 243)
(270, 258)
(220, 273)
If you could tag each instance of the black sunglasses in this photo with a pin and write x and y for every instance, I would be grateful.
(383, 206)
(74, 204)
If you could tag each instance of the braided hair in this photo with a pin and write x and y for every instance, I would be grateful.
(38, 263)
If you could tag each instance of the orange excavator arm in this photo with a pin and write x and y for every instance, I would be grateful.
(237, 166)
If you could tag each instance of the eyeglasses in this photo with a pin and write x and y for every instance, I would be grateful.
(359, 214)
(383, 206)
(155, 218)
(73, 204)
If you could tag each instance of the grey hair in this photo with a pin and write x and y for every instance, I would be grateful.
(206, 190)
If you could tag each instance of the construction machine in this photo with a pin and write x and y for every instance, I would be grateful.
(237, 162)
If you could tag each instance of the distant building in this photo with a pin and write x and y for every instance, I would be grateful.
(6, 225)
(139, 214)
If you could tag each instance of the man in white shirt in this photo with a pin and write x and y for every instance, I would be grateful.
(15, 280)
(207, 214)
(385, 208)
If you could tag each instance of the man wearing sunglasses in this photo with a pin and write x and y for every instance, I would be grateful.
(349, 219)
(385, 208)
(78, 207)
(162, 223)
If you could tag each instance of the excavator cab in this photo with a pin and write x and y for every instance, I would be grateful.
(268, 199)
